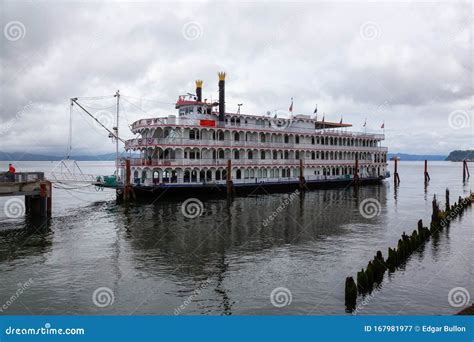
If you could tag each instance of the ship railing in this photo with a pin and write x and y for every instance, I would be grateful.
(259, 180)
(182, 142)
(143, 162)
(181, 121)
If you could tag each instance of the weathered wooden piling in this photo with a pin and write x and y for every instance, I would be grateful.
(356, 170)
(465, 171)
(427, 175)
(370, 273)
(229, 183)
(406, 245)
(362, 281)
(379, 267)
(448, 206)
(302, 184)
(350, 293)
(126, 189)
(396, 177)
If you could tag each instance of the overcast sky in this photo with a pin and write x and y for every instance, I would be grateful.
(408, 64)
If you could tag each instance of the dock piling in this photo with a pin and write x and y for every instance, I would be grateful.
(356, 170)
(396, 177)
(427, 175)
(302, 184)
(465, 171)
(230, 184)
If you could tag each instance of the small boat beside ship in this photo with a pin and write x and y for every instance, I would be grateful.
(205, 149)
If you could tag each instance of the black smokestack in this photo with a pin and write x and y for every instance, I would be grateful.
(221, 96)
(199, 90)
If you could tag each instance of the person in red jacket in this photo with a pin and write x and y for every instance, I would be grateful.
(11, 172)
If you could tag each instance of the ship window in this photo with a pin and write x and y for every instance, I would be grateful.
(236, 154)
(221, 154)
(286, 139)
(194, 176)
(246, 174)
(237, 121)
(262, 155)
(187, 176)
(313, 156)
(250, 155)
(220, 135)
(194, 134)
(262, 137)
(218, 175)
(264, 173)
(169, 154)
(275, 155)
(238, 174)
(286, 155)
(312, 140)
(297, 139)
(236, 136)
(297, 155)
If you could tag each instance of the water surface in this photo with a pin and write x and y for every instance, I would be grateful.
(226, 261)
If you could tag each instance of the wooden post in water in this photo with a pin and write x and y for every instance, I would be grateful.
(396, 178)
(448, 206)
(465, 171)
(126, 188)
(302, 180)
(356, 170)
(427, 175)
(230, 184)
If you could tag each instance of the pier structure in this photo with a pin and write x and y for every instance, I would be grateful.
(36, 190)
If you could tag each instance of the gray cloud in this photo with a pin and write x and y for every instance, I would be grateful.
(408, 64)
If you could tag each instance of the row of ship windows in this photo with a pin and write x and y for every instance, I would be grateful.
(194, 134)
(236, 154)
(171, 176)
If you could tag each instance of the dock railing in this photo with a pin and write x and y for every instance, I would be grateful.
(21, 177)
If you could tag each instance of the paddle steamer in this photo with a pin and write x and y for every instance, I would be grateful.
(204, 148)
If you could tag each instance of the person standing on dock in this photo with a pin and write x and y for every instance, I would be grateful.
(11, 172)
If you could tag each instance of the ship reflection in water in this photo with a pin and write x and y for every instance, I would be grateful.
(228, 256)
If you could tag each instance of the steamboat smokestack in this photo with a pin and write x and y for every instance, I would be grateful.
(221, 96)
(199, 90)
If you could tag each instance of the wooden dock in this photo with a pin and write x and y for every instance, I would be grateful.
(36, 189)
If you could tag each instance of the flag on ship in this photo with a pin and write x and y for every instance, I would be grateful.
(291, 106)
(315, 110)
(365, 122)
(383, 125)
(340, 122)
